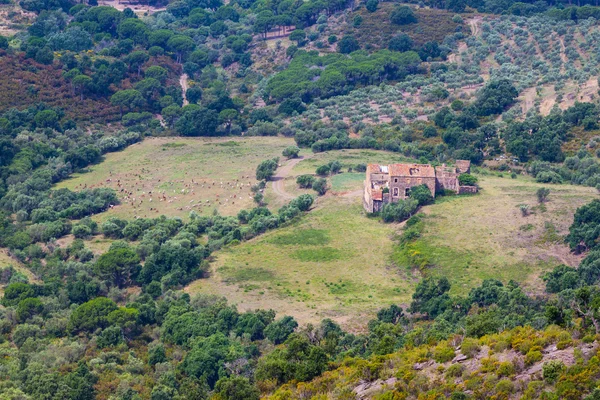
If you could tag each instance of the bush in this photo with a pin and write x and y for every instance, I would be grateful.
(552, 369)
(430, 131)
(443, 353)
(542, 194)
(291, 152)
(470, 347)
(323, 170)
(320, 186)
(305, 181)
(372, 5)
(467, 180)
(505, 368)
(533, 356)
(403, 15)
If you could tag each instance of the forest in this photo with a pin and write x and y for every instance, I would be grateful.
(438, 81)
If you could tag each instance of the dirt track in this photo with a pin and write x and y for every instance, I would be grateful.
(279, 178)
(183, 81)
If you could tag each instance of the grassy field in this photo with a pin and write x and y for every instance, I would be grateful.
(173, 176)
(471, 238)
(333, 263)
(338, 263)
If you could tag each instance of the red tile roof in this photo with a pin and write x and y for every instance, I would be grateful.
(377, 195)
(418, 170)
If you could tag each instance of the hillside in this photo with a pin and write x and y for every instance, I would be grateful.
(183, 214)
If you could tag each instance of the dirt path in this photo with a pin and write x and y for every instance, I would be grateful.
(282, 173)
(183, 81)
(474, 24)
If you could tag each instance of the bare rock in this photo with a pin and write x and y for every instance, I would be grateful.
(459, 358)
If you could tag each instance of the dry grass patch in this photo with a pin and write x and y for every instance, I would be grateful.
(173, 176)
(472, 238)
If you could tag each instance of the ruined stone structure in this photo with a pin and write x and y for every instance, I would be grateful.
(391, 183)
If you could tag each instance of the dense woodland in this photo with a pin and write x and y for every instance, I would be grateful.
(86, 80)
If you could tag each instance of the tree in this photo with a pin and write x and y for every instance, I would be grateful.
(44, 56)
(137, 59)
(29, 307)
(291, 152)
(181, 46)
(118, 266)
(421, 194)
(236, 388)
(92, 315)
(372, 5)
(156, 72)
(391, 315)
(129, 98)
(46, 119)
(197, 121)
(278, 331)
(227, 117)
(81, 83)
(401, 42)
(348, 44)
(431, 297)
(403, 15)
(193, 95)
(3, 43)
(585, 228)
(298, 36)
(266, 169)
(298, 359)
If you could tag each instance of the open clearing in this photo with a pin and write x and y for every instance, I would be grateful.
(173, 176)
(471, 238)
(338, 263)
(332, 263)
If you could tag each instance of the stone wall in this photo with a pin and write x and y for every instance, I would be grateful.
(467, 189)
(404, 183)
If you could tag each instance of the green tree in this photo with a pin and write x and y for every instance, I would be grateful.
(421, 194)
(236, 388)
(278, 331)
(401, 42)
(348, 44)
(297, 359)
(266, 169)
(372, 5)
(542, 195)
(118, 266)
(180, 45)
(431, 297)
(129, 98)
(403, 15)
(81, 83)
(197, 121)
(92, 315)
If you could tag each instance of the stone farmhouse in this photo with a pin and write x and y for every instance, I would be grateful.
(391, 183)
